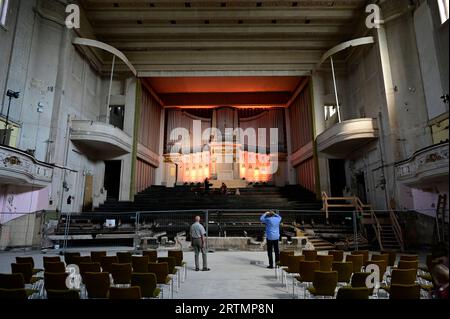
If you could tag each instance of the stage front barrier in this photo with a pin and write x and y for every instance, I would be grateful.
(239, 229)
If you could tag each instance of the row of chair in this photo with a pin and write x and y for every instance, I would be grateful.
(310, 267)
(124, 269)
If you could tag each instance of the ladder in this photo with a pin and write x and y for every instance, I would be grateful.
(440, 218)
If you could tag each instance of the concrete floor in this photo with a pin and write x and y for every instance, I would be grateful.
(233, 275)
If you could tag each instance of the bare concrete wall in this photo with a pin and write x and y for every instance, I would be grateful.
(25, 231)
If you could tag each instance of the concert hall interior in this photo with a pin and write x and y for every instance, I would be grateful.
(123, 120)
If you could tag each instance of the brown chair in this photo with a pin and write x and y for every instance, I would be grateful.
(152, 255)
(284, 257)
(306, 272)
(132, 293)
(392, 257)
(124, 257)
(15, 281)
(67, 294)
(344, 270)
(378, 257)
(404, 291)
(96, 256)
(97, 284)
(365, 253)
(148, 284)
(293, 267)
(409, 258)
(55, 267)
(178, 255)
(77, 260)
(89, 267)
(26, 270)
(171, 262)
(307, 269)
(55, 281)
(324, 283)
(161, 270)
(403, 276)
(140, 264)
(359, 280)
(293, 264)
(350, 293)
(13, 294)
(382, 264)
(282, 264)
(28, 260)
(326, 262)
(68, 257)
(405, 264)
(338, 255)
(357, 261)
(51, 259)
(12, 281)
(310, 255)
(179, 260)
(107, 261)
(121, 273)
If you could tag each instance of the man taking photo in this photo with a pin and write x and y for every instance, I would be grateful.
(272, 222)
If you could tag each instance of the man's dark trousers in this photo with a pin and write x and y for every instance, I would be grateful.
(272, 245)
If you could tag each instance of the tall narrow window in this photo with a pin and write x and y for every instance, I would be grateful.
(444, 10)
(3, 12)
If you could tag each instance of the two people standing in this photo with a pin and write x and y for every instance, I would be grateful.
(270, 219)
(272, 222)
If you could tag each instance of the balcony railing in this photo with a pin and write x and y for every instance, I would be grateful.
(20, 168)
(99, 139)
(343, 138)
(426, 164)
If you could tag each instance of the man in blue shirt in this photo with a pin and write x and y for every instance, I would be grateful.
(272, 222)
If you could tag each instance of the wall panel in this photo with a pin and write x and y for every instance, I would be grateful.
(301, 120)
(150, 122)
(145, 175)
(306, 174)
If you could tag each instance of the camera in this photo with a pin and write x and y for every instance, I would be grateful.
(12, 94)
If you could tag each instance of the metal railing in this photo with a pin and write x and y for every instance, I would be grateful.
(170, 228)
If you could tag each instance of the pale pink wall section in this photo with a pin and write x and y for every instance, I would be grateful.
(16, 201)
(424, 199)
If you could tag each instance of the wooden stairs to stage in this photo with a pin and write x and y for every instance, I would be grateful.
(385, 224)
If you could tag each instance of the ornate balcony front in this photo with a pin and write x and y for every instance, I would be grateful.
(342, 139)
(425, 166)
(100, 140)
(20, 168)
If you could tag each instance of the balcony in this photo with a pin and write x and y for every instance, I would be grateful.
(22, 169)
(342, 139)
(425, 166)
(99, 140)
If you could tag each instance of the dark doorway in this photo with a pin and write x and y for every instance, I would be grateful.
(361, 187)
(337, 177)
(112, 178)
(117, 115)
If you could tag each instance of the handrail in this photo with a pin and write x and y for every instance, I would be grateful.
(326, 205)
(377, 227)
(397, 229)
(373, 216)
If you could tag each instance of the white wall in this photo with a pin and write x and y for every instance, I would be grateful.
(48, 69)
(429, 63)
